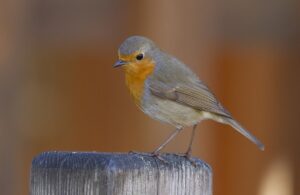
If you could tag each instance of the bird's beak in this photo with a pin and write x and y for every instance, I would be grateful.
(119, 63)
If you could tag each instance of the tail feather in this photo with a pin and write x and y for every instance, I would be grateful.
(244, 132)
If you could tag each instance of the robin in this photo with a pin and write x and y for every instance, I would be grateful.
(167, 90)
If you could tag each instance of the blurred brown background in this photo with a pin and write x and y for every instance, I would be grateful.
(58, 90)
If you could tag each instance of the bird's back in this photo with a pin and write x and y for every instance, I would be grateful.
(170, 70)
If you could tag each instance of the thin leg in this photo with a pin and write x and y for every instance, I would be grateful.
(189, 150)
(167, 141)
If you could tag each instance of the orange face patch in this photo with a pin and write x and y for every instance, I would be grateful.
(136, 72)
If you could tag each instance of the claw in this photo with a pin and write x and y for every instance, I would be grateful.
(188, 157)
(159, 157)
(152, 154)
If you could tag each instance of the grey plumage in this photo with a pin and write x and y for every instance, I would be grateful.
(174, 94)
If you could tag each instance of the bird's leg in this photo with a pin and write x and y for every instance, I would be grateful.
(189, 150)
(188, 153)
(156, 152)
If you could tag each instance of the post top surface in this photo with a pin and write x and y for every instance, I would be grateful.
(102, 161)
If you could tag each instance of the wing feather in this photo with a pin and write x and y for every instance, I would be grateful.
(196, 96)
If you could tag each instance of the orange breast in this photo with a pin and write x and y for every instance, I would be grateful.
(136, 74)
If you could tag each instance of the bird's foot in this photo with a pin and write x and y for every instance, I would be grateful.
(188, 157)
(152, 154)
(159, 157)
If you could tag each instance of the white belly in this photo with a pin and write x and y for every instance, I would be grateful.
(172, 112)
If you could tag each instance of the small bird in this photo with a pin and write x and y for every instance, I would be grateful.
(167, 90)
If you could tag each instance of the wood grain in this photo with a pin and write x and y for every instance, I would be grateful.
(78, 173)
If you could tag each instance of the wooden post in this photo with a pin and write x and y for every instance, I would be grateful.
(78, 173)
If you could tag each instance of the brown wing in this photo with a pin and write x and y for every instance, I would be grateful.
(198, 97)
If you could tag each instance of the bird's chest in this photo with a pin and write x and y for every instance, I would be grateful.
(136, 75)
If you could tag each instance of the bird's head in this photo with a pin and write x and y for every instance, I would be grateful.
(135, 53)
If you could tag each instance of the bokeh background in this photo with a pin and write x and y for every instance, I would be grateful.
(58, 90)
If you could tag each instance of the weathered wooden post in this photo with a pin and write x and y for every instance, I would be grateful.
(78, 173)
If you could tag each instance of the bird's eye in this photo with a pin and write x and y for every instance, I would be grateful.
(140, 56)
